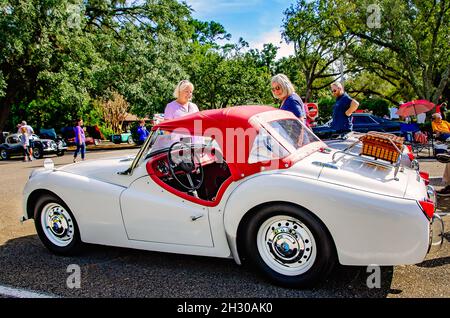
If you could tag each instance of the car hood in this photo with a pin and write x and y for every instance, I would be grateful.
(106, 170)
(354, 172)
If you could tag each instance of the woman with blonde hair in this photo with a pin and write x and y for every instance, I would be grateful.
(25, 141)
(182, 105)
(283, 90)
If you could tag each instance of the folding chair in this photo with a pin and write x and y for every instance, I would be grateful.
(419, 140)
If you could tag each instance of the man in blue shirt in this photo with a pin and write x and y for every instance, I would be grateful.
(142, 132)
(343, 109)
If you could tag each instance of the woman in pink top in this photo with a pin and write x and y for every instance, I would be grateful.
(182, 106)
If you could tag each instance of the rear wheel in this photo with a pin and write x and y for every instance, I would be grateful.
(56, 226)
(37, 153)
(289, 246)
(130, 140)
(3, 154)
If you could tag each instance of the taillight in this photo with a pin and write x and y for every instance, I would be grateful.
(410, 153)
(427, 207)
(425, 176)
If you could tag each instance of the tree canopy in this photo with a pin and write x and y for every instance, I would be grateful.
(60, 59)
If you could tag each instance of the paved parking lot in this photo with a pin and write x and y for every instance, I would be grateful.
(115, 272)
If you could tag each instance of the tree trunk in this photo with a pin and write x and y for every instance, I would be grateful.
(440, 89)
(4, 114)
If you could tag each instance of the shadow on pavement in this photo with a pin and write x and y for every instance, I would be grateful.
(437, 262)
(119, 272)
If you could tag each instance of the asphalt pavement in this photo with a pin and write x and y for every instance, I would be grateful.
(27, 266)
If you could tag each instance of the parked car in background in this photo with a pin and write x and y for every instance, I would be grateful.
(254, 184)
(362, 122)
(123, 137)
(69, 135)
(3, 136)
(12, 147)
(157, 118)
(50, 133)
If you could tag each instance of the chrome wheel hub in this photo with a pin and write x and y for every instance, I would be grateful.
(57, 224)
(286, 245)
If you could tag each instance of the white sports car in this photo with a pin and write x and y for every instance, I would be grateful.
(250, 183)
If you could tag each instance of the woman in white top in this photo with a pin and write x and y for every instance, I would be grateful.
(25, 141)
(182, 106)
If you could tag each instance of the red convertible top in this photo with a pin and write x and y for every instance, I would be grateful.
(232, 130)
(233, 117)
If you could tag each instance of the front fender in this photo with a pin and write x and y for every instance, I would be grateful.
(363, 225)
(94, 204)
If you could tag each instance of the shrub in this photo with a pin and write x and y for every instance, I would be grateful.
(107, 132)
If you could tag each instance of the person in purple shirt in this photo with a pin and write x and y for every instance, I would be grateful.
(182, 105)
(283, 90)
(80, 140)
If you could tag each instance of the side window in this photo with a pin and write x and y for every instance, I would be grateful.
(266, 148)
(13, 140)
(363, 120)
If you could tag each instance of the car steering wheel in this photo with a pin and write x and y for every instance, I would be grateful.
(182, 156)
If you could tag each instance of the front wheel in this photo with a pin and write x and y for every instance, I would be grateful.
(56, 226)
(289, 246)
(60, 153)
(37, 153)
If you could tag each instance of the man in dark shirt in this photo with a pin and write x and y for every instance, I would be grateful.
(343, 109)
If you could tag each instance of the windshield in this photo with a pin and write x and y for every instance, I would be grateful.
(293, 132)
(164, 139)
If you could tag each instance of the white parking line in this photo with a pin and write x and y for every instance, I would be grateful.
(22, 293)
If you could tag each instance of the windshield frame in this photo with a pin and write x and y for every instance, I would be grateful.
(140, 155)
(264, 119)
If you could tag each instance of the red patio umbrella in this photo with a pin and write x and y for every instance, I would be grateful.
(415, 107)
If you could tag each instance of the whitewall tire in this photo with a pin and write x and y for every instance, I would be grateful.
(56, 226)
(289, 245)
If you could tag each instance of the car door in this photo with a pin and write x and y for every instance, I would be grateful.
(15, 147)
(152, 214)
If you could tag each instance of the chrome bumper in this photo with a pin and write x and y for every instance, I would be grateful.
(431, 192)
(436, 234)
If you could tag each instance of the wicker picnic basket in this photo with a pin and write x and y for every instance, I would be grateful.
(381, 146)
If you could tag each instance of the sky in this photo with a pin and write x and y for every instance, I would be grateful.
(256, 21)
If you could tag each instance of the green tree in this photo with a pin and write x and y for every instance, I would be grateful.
(66, 54)
(319, 43)
(209, 32)
(266, 57)
(227, 76)
(405, 43)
